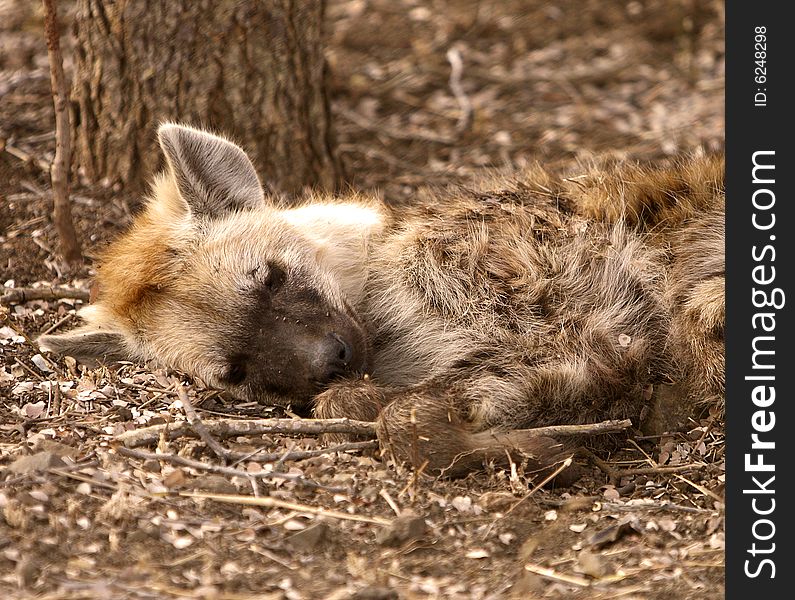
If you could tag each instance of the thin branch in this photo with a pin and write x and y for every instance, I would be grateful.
(615, 475)
(278, 458)
(58, 323)
(269, 502)
(198, 426)
(181, 461)
(552, 574)
(59, 173)
(25, 157)
(456, 71)
(304, 454)
(22, 295)
(411, 134)
(587, 429)
(702, 489)
(587, 503)
(565, 464)
(224, 428)
(660, 470)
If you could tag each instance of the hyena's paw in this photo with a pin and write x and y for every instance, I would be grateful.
(359, 399)
(429, 433)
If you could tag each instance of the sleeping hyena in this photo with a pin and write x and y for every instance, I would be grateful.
(454, 323)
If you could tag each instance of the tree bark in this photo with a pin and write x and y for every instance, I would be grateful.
(252, 70)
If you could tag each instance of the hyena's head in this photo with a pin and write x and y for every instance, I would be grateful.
(214, 280)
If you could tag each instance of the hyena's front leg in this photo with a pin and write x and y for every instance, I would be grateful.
(426, 427)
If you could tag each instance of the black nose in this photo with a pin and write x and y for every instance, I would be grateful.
(333, 358)
(343, 351)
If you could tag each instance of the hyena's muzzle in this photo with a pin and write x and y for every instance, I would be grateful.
(291, 345)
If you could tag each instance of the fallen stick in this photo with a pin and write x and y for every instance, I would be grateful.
(587, 503)
(552, 574)
(233, 456)
(702, 489)
(224, 428)
(234, 427)
(660, 470)
(565, 464)
(22, 295)
(613, 426)
(181, 461)
(58, 323)
(276, 457)
(456, 71)
(399, 134)
(198, 425)
(269, 502)
(43, 165)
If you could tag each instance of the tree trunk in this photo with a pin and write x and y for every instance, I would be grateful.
(253, 70)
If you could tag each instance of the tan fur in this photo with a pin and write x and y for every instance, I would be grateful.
(646, 197)
(475, 313)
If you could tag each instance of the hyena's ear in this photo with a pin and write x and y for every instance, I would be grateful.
(212, 174)
(87, 344)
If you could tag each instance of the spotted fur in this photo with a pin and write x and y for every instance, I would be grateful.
(455, 322)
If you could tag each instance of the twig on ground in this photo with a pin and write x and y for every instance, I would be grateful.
(149, 388)
(413, 482)
(615, 475)
(456, 71)
(198, 426)
(701, 488)
(22, 295)
(57, 324)
(56, 399)
(388, 499)
(41, 164)
(269, 502)
(224, 428)
(660, 470)
(649, 459)
(564, 465)
(398, 134)
(302, 454)
(587, 429)
(28, 369)
(552, 574)
(175, 459)
(65, 472)
(278, 465)
(587, 503)
(607, 469)
(666, 506)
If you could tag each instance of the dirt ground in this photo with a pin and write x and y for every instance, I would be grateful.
(560, 83)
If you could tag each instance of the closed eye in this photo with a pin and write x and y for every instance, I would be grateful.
(274, 276)
(236, 371)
